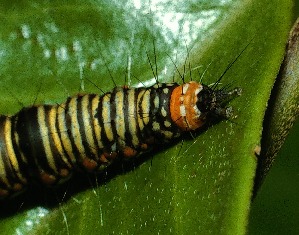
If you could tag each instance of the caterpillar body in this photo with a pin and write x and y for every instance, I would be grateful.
(48, 142)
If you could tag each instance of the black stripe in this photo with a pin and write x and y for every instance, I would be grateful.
(91, 123)
(21, 162)
(96, 116)
(59, 163)
(139, 104)
(68, 124)
(31, 144)
(80, 118)
(137, 107)
(59, 135)
(113, 117)
(127, 117)
(104, 138)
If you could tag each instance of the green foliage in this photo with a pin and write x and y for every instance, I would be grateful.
(50, 50)
(275, 209)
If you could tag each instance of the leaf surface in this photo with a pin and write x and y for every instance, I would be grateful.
(202, 184)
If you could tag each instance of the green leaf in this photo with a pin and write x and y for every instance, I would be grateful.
(51, 50)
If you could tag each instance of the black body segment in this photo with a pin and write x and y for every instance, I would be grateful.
(48, 142)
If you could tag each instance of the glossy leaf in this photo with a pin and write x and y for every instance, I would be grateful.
(203, 184)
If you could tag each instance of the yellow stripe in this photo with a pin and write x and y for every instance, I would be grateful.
(87, 128)
(75, 128)
(17, 140)
(3, 174)
(145, 105)
(139, 112)
(41, 117)
(63, 132)
(119, 119)
(52, 114)
(106, 116)
(10, 150)
(95, 118)
(132, 109)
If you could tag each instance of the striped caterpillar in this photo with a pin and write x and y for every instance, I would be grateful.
(48, 142)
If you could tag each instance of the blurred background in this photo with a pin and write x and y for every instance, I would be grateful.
(275, 210)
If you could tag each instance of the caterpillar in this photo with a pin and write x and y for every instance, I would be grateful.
(49, 142)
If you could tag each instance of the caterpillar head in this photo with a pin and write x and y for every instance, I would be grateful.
(192, 104)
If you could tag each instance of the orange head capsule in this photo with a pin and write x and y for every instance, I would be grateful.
(192, 103)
